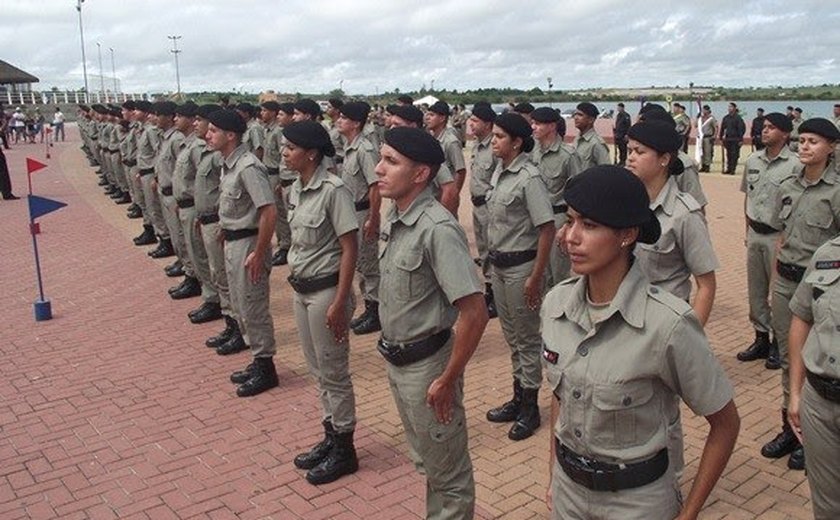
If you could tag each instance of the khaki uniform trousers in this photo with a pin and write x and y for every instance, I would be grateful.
(107, 165)
(821, 435)
(328, 360)
(250, 300)
(571, 501)
(153, 207)
(442, 449)
(120, 173)
(176, 232)
(281, 227)
(197, 254)
(781, 317)
(761, 252)
(708, 148)
(215, 250)
(520, 324)
(559, 264)
(368, 263)
(135, 189)
(480, 218)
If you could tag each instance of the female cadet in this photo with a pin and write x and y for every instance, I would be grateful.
(810, 205)
(519, 232)
(618, 352)
(322, 259)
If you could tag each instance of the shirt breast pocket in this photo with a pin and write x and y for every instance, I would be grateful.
(624, 414)
(665, 256)
(307, 228)
(229, 202)
(501, 206)
(825, 307)
(412, 282)
(819, 219)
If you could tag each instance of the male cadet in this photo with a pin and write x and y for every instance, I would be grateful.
(405, 100)
(121, 196)
(247, 215)
(436, 119)
(255, 134)
(836, 115)
(429, 287)
(337, 141)
(756, 129)
(481, 171)
(310, 109)
(148, 143)
(708, 130)
(104, 124)
(622, 126)
(683, 125)
(558, 162)
(128, 152)
(732, 129)
(183, 189)
(273, 160)
(590, 147)
(764, 172)
(357, 172)
(796, 120)
(524, 109)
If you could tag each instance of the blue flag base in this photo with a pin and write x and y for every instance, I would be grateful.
(43, 310)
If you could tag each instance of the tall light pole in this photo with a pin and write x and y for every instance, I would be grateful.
(175, 51)
(550, 84)
(101, 72)
(82, 37)
(113, 70)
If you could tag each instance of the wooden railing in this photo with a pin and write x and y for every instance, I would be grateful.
(66, 97)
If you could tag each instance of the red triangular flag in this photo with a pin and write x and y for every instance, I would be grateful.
(33, 166)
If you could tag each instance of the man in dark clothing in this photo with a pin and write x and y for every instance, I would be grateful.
(732, 129)
(5, 180)
(755, 130)
(622, 126)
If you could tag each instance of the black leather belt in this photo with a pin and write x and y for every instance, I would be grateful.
(146, 171)
(166, 191)
(237, 234)
(113, 150)
(272, 171)
(208, 219)
(400, 354)
(313, 284)
(286, 182)
(826, 387)
(363, 205)
(130, 163)
(601, 476)
(761, 228)
(479, 200)
(185, 203)
(791, 272)
(560, 208)
(511, 259)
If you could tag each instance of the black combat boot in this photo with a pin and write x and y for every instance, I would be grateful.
(240, 376)
(785, 442)
(797, 459)
(370, 323)
(235, 344)
(124, 198)
(510, 410)
(774, 360)
(134, 212)
(221, 338)
(190, 288)
(146, 237)
(319, 452)
(264, 377)
(528, 419)
(208, 311)
(490, 301)
(340, 461)
(164, 249)
(759, 349)
(174, 270)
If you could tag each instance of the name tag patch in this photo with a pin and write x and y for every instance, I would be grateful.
(828, 264)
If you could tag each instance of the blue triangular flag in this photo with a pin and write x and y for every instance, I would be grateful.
(40, 206)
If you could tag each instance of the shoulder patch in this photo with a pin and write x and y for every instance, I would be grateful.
(689, 201)
(827, 264)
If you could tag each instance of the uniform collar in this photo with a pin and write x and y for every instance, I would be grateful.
(517, 163)
(667, 197)
(410, 216)
(554, 146)
(484, 143)
(829, 175)
(317, 179)
(238, 152)
(589, 134)
(784, 155)
(354, 144)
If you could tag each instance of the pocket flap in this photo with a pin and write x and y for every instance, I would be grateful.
(621, 396)
(822, 276)
(409, 261)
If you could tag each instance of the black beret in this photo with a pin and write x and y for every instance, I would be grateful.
(484, 112)
(588, 108)
(227, 120)
(288, 108)
(658, 115)
(335, 102)
(651, 107)
(204, 111)
(416, 144)
(188, 109)
(99, 109)
(165, 108)
(820, 126)
(545, 115)
(271, 106)
(797, 109)
(410, 113)
(707, 107)
(658, 135)
(780, 121)
(390, 108)
(246, 107)
(355, 111)
(116, 112)
(440, 107)
(84, 108)
(143, 106)
(308, 106)
(310, 135)
(408, 100)
(614, 197)
(516, 126)
(524, 108)
(129, 104)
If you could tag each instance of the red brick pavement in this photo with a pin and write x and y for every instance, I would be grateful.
(115, 409)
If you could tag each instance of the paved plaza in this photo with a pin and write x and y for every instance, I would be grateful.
(116, 409)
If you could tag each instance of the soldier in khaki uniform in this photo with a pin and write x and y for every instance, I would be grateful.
(796, 121)
(254, 137)
(590, 147)
(128, 151)
(148, 143)
(764, 172)
(619, 353)
(814, 409)
(519, 232)
(810, 205)
(322, 260)
(558, 162)
(247, 215)
(436, 120)
(429, 287)
(707, 130)
(273, 160)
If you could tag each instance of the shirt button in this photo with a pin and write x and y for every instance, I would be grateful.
(654, 290)
(820, 279)
(576, 394)
(583, 351)
(578, 434)
(626, 401)
(831, 360)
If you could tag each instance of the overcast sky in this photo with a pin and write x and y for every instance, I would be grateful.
(376, 46)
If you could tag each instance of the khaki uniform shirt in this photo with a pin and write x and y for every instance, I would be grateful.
(338, 143)
(425, 266)
(709, 127)
(207, 179)
(616, 378)
(147, 146)
(244, 189)
(170, 146)
(319, 213)
(360, 158)
(685, 247)
(689, 180)
(273, 146)
(557, 164)
(128, 147)
(810, 215)
(794, 135)
(761, 182)
(683, 124)
(183, 180)
(518, 204)
(452, 150)
(105, 136)
(115, 137)
(482, 167)
(591, 149)
(254, 136)
(817, 300)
